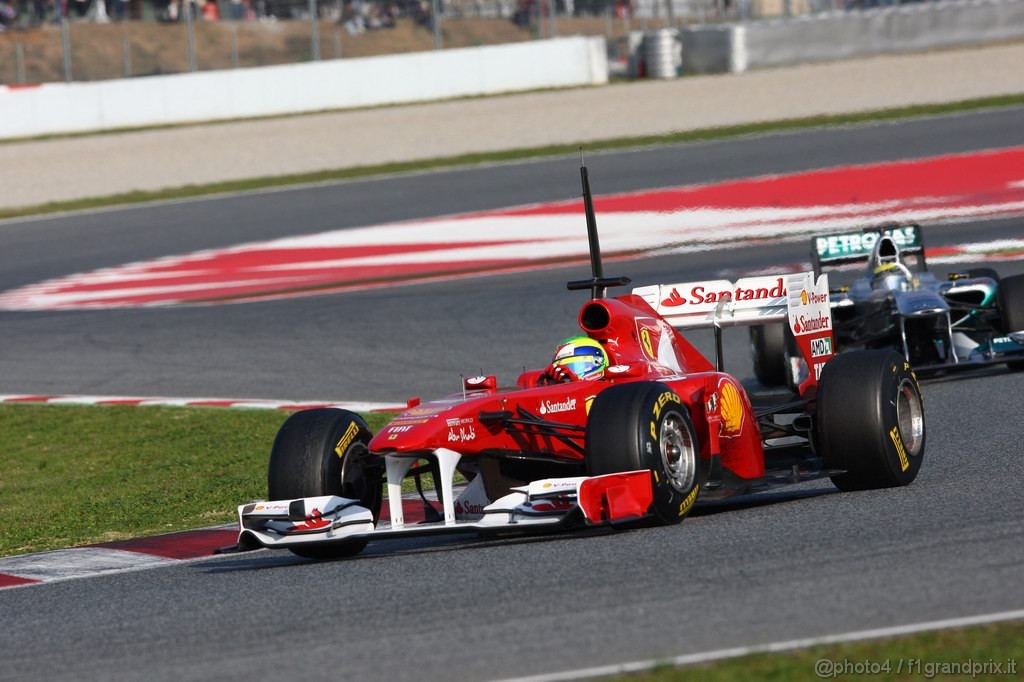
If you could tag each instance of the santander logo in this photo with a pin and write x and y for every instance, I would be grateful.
(810, 324)
(468, 508)
(548, 407)
(699, 293)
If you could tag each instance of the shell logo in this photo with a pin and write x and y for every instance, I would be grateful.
(588, 402)
(731, 409)
(803, 297)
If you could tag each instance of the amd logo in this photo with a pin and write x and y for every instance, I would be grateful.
(821, 347)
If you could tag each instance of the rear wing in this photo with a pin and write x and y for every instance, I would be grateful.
(851, 247)
(797, 300)
(721, 303)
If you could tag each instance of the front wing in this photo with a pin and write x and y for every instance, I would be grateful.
(552, 503)
(969, 355)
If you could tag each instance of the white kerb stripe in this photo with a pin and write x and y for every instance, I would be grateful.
(77, 563)
(773, 647)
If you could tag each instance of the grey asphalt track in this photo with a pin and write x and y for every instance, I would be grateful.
(788, 565)
(806, 562)
(388, 344)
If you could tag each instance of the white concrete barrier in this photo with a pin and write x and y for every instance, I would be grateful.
(842, 35)
(297, 88)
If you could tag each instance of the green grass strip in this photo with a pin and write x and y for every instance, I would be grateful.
(940, 655)
(76, 475)
(706, 134)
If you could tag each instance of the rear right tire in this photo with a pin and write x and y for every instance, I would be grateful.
(768, 353)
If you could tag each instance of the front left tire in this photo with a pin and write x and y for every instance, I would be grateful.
(870, 420)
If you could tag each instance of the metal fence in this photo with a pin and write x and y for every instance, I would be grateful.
(85, 40)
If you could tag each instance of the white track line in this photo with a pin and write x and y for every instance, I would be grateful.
(773, 647)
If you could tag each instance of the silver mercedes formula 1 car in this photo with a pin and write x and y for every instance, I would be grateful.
(972, 318)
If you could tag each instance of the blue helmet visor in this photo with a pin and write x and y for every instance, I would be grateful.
(585, 361)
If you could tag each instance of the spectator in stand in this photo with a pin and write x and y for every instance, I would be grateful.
(521, 17)
(119, 10)
(372, 17)
(237, 10)
(100, 16)
(387, 16)
(210, 11)
(38, 12)
(352, 19)
(423, 14)
(8, 15)
(81, 7)
(170, 13)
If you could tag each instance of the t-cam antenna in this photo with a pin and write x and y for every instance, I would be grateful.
(598, 282)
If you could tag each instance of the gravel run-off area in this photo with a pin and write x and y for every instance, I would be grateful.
(35, 172)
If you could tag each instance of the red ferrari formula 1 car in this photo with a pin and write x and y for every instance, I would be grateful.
(659, 428)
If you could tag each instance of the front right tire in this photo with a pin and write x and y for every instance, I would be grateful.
(870, 420)
(645, 425)
(1011, 310)
(324, 452)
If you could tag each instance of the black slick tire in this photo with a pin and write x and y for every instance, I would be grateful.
(870, 420)
(324, 452)
(1011, 310)
(644, 425)
(768, 353)
(984, 272)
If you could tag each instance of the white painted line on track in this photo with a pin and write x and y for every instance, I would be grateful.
(772, 647)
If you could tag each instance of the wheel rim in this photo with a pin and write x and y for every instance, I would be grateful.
(354, 482)
(910, 417)
(678, 454)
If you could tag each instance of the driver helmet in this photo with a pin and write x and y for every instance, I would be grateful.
(583, 355)
(887, 255)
